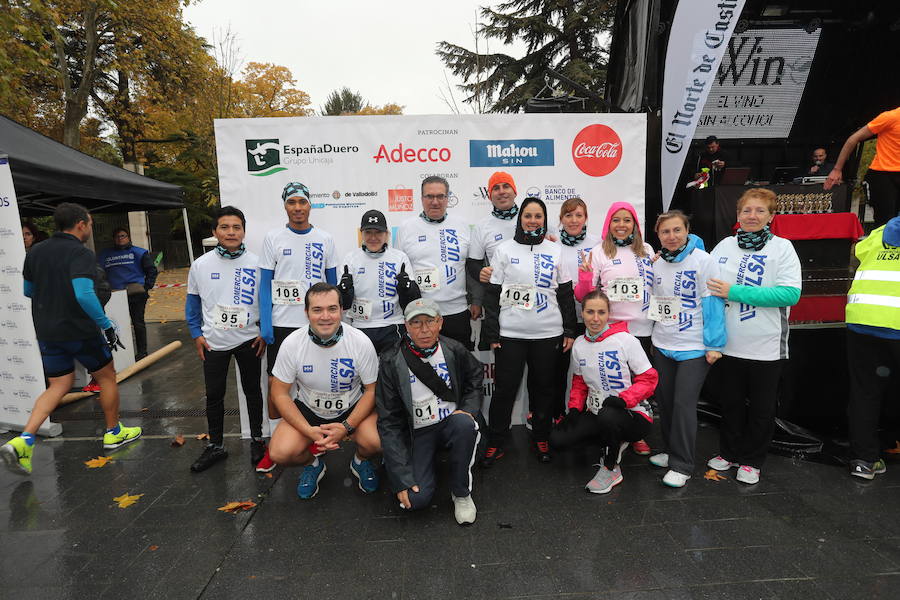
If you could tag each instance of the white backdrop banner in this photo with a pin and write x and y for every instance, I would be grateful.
(697, 41)
(21, 371)
(353, 164)
(759, 84)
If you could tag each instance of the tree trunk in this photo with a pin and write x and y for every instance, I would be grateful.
(75, 113)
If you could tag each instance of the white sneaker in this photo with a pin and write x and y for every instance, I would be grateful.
(675, 479)
(720, 464)
(660, 460)
(464, 509)
(747, 474)
(604, 480)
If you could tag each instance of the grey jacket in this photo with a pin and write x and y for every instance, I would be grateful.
(393, 401)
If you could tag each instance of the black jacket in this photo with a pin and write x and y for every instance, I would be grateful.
(393, 401)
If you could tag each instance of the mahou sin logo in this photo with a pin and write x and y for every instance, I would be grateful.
(597, 150)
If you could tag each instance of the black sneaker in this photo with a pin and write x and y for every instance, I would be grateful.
(211, 455)
(491, 455)
(867, 470)
(543, 451)
(257, 451)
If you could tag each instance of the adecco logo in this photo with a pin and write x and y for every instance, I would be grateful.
(263, 157)
(597, 150)
(399, 154)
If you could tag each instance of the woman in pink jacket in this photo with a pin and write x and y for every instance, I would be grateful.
(622, 267)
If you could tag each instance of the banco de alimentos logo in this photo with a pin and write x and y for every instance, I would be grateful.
(263, 157)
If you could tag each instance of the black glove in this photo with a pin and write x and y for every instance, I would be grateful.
(112, 338)
(614, 402)
(570, 418)
(345, 286)
(407, 289)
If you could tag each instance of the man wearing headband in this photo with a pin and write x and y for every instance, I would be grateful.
(295, 257)
(437, 244)
(334, 367)
(428, 393)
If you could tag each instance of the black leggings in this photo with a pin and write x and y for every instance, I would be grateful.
(459, 327)
(542, 358)
(884, 192)
(608, 429)
(215, 372)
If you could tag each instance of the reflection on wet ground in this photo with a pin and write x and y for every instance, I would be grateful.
(805, 531)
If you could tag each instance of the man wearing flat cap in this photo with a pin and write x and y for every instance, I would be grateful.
(428, 397)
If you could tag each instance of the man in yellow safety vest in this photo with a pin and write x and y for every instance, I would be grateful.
(873, 343)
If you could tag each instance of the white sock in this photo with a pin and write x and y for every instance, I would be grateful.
(357, 460)
(315, 462)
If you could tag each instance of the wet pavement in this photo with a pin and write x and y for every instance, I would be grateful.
(807, 530)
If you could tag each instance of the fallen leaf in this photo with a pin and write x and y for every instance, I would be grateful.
(895, 449)
(100, 461)
(178, 441)
(125, 500)
(234, 507)
(153, 548)
(202, 436)
(714, 475)
(144, 409)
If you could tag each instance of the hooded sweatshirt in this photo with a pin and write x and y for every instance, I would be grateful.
(625, 264)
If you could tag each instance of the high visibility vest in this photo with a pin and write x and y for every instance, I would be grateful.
(874, 297)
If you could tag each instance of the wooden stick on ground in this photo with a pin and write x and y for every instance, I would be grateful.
(128, 372)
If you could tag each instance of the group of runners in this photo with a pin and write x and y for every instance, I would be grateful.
(607, 318)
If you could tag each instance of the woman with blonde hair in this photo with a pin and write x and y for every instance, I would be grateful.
(759, 275)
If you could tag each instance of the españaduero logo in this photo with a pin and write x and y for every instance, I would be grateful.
(263, 157)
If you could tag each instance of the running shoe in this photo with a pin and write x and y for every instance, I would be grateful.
(257, 451)
(464, 509)
(126, 435)
(543, 451)
(491, 455)
(660, 460)
(365, 473)
(93, 386)
(265, 465)
(308, 484)
(211, 455)
(604, 481)
(720, 464)
(675, 479)
(16, 454)
(641, 448)
(878, 467)
(747, 474)
(867, 470)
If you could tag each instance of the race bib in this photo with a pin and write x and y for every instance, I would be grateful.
(361, 309)
(428, 279)
(327, 405)
(287, 291)
(594, 401)
(625, 289)
(663, 309)
(518, 294)
(425, 412)
(230, 317)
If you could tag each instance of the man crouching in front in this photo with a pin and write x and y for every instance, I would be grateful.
(334, 367)
(429, 392)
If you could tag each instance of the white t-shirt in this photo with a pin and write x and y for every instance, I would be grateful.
(573, 256)
(295, 257)
(757, 332)
(529, 274)
(626, 266)
(329, 380)
(428, 409)
(606, 367)
(229, 296)
(686, 281)
(438, 253)
(375, 302)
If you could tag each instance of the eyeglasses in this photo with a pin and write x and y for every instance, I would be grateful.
(440, 197)
(422, 323)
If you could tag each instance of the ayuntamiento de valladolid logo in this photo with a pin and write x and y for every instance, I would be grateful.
(263, 157)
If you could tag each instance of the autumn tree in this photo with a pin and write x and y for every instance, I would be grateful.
(388, 109)
(568, 36)
(343, 101)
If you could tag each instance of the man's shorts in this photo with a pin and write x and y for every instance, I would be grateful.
(279, 334)
(59, 357)
(315, 420)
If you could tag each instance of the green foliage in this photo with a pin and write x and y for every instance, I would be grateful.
(343, 101)
(565, 35)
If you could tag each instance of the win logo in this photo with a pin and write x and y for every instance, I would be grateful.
(263, 157)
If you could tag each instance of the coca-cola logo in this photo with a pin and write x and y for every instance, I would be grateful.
(597, 150)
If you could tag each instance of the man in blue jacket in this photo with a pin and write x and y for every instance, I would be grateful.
(68, 320)
(131, 269)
